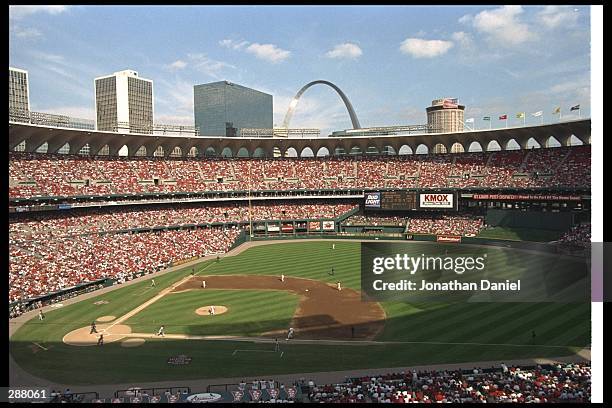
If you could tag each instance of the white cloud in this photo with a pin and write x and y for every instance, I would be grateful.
(268, 52)
(554, 16)
(208, 66)
(235, 45)
(345, 50)
(19, 12)
(25, 33)
(467, 19)
(502, 25)
(419, 48)
(462, 38)
(178, 64)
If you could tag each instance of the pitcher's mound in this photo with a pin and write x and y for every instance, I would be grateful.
(105, 318)
(204, 310)
(82, 337)
(132, 342)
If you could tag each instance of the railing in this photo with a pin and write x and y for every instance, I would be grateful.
(134, 391)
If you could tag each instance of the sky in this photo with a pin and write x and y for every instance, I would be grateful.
(391, 61)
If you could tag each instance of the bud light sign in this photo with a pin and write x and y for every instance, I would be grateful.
(372, 200)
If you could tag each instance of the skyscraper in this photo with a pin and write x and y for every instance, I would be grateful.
(19, 95)
(124, 103)
(222, 108)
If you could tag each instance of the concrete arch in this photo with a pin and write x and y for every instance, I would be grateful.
(227, 152)
(405, 150)
(493, 146)
(243, 152)
(323, 151)
(291, 152)
(307, 150)
(259, 152)
(475, 146)
(344, 98)
(421, 147)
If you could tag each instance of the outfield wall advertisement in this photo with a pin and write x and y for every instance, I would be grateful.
(436, 201)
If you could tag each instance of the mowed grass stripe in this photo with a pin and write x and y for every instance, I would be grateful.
(452, 327)
(555, 330)
(477, 322)
(524, 324)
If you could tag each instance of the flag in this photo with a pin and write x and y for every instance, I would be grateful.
(557, 110)
(575, 107)
(486, 118)
(503, 117)
(520, 115)
(470, 120)
(538, 113)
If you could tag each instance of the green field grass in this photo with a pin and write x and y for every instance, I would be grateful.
(250, 313)
(520, 234)
(500, 330)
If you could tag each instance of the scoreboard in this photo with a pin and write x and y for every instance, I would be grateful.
(410, 200)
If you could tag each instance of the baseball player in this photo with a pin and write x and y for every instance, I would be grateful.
(339, 285)
(161, 332)
(332, 271)
(290, 333)
(41, 316)
(152, 283)
(212, 310)
(282, 277)
(276, 345)
(93, 328)
(203, 284)
(333, 246)
(101, 340)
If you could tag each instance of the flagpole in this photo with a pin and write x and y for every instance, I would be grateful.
(542, 118)
(524, 116)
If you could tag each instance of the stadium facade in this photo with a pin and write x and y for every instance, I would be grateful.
(223, 108)
(124, 103)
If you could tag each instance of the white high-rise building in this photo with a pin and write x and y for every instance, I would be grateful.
(19, 95)
(124, 103)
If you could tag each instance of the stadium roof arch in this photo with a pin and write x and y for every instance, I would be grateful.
(35, 136)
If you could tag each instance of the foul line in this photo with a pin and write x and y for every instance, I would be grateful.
(46, 349)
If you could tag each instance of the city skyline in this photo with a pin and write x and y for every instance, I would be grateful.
(496, 60)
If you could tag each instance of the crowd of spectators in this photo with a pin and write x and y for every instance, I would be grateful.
(86, 221)
(443, 224)
(579, 235)
(40, 265)
(375, 220)
(540, 384)
(69, 175)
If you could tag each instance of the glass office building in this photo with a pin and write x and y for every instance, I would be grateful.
(222, 108)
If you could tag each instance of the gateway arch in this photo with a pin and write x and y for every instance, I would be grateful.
(345, 99)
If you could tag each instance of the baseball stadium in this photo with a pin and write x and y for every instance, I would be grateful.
(193, 268)
(234, 260)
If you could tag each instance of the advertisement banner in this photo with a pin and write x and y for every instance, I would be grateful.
(314, 226)
(372, 200)
(514, 197)
(287, 228)
(273, 228)
(237, 395)
(273, 392)
(448, 238)
(291, 392)
(436, 200)
(328, 225)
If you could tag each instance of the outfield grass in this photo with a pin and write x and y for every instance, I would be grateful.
(502, 330)
(520, 234)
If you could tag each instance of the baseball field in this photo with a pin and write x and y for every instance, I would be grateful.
(253, 307)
